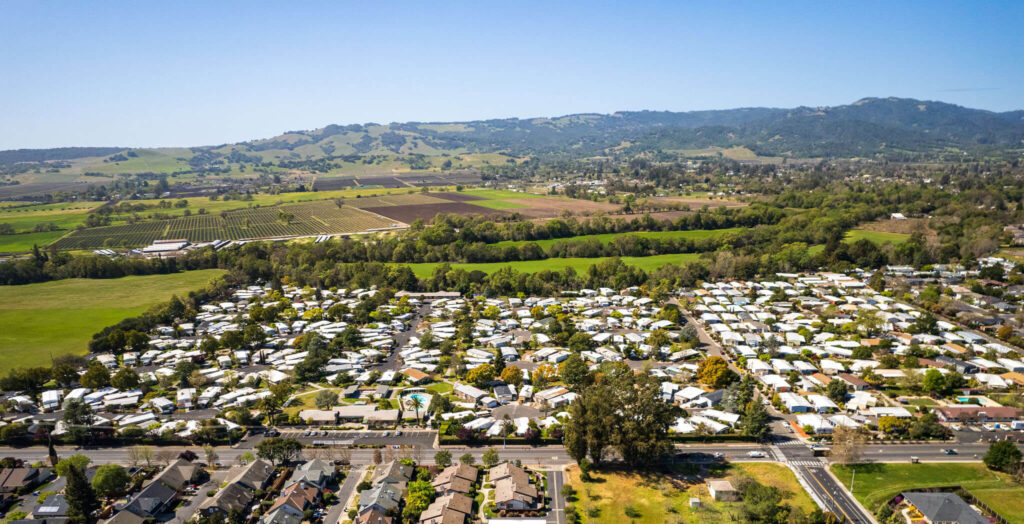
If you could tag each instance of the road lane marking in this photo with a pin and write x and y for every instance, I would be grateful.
(834, 501)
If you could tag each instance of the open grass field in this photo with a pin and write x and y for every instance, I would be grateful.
(502, 194)
(734, 153)
(660, 498)
(426, 269)
(22, 242)
(878, 237)
(499, 204)
(45, 320)
(609, 237)
(876, 483)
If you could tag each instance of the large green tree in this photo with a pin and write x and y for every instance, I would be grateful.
(754, 422)
(621, 410)
(574, 372)
(277, 449)
(110, 480)
(81, 498)
(1003, 456)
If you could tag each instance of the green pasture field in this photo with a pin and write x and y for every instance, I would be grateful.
(424, 270)
(46, 320)
(878, 237)
(605, 238)
(27, 222)
(502, 194)
(23, 242)
(497, 204)
(19, 209)
(876, 483)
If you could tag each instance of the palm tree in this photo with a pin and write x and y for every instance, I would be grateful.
(417, 403)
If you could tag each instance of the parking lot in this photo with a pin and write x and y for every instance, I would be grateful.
(411, 437)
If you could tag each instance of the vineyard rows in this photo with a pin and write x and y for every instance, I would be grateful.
(308, 219)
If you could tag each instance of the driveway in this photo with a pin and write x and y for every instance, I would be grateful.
(189, 508)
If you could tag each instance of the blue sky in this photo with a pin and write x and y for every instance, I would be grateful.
(196, 73)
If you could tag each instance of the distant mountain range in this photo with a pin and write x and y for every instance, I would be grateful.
(871, 127)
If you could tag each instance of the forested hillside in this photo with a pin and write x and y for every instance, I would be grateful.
(887, 127)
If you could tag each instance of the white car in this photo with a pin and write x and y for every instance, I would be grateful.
(755, 454)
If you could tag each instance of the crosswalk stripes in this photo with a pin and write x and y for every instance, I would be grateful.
(807, 463)
(791, 444)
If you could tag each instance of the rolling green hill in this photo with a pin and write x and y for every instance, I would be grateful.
(869, 127)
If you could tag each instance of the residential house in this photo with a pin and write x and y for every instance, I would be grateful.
(289, 506)
(393, 472)
(943, 508)
(458, 478)
(13, 478)
(164, 490)
(240, 488)
(317, 472)
(374, 516)
(452, 508)
(512, 488)
(723, 491)
(383, 497)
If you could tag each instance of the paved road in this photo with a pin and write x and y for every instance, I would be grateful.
(555, 482)
(393, 363)
(814, 475)
(834, 495)
(545, 455)
(409, 437)
(337, 512)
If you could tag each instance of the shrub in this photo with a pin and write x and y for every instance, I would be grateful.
(631, 511)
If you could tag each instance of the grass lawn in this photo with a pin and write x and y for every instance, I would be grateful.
(876, 483)
(658, 498)
(878, 237)
(424, 270)
(307, 400)
(54, 318)
(608, 237)
(440, 388)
